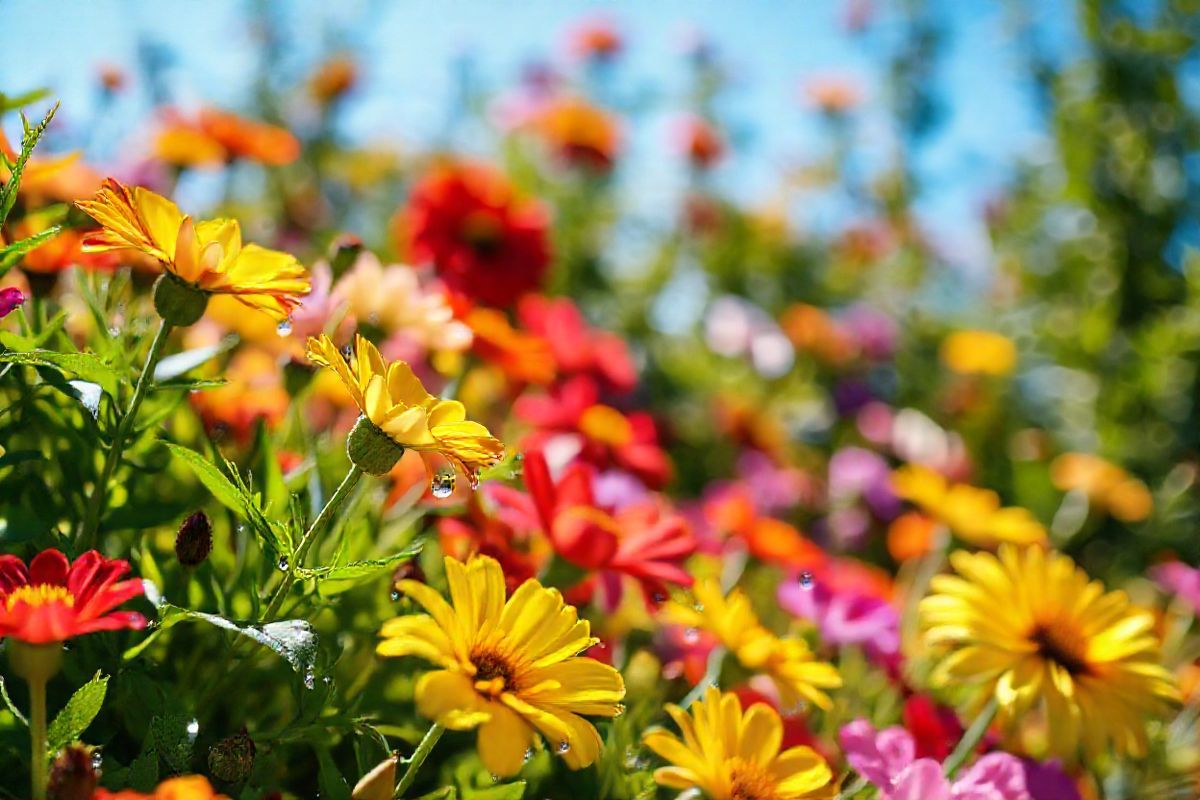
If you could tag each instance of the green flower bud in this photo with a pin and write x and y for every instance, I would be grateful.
(177, 301)
(372, 450)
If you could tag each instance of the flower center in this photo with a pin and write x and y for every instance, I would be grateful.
(40, 595)
(493, 673)
(482, 232)
(606, 425)
(751, 783)
(1057, 641)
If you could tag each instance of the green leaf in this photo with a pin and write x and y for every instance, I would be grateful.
(213, 479)
(172, 741)
(335, 580)
(11, 254)
(78, 713)
(178, 364)
(333, 785)
(87, 366)
(8, 195)
(16, 712)
(507, 791)
(11, 102)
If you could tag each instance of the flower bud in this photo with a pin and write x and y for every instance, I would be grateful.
(178, 302)
(344, 252)
(232, 758)
(194, 541)
(378, 784)
(73, 775)
(372, 450)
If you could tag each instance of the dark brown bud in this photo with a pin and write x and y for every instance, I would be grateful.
(194, 541)
(74, 774)
(232, 758)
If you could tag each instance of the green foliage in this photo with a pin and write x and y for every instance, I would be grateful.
(78, 713)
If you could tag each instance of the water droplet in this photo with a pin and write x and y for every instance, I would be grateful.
(97, 759)
(114, 331)
(473, 479)
(528, 753)
(284, 328)
(283, 564)
(806, 580)
(691, 635)
(699, 607)
(659, 597)
(347, 352)
(600, 645)
(395, 595)
(563, 747)
(442, 484)
(241, 529)
(310, 679)
(193, 728)
(619, 710)
(495, 778)
(327, 680)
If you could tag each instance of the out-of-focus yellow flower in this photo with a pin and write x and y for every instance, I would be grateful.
(208, 256)
(580, 132)
(1106, 485)
(787, 662)
(392, 398)
(1031, 630)
(335, 76)
(392, 299)
(972, 514)
(979, 353)
(731, 754)
(190, 787)
(184, 145)
(50, 178)
(510, 669)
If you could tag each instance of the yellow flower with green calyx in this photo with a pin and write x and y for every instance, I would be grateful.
(200, 258)
(511, 669)
(398, 413)
(1031, 630)
(731, 754)
(789, 663)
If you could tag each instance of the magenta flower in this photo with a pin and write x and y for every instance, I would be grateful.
(845, 616)
(887, 759)
(10, 298)
(1179, 579)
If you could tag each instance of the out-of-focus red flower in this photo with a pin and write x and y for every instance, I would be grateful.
(935, 728)
(595, 39)
(112, 78)
(605, 435)
(53, 600)
(645, 541)
(480, 534)
(523, 357)
(732, 512)
(485, 242)
(577, 347)
(61, 251)
(699, 140)
(580, 133)
(216, 136)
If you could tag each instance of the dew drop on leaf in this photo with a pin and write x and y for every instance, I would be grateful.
(442, 484)
(310, 679)
(283, 564)
(284, 328)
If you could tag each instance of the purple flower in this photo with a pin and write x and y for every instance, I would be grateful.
(1181, 580)
(886, 759)
(10, 298)
(845, 617)
(875, 331)
(855, 472)
(1048, 781)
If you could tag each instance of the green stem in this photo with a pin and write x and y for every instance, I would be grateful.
(37, 735)
(854, 788)
(711, 675)
(91, 522)
(971, 738)
(418, 758)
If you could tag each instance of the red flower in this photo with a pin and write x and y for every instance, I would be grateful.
(606, 436)
(698, 140)
(485, 242)
(644, 541)
(54, 600)
(578, 348)
(479, 534)
(935, 728)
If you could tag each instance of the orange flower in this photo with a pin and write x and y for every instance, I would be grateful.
(699, 140)
(596, 38)
(814, 331)
(191, 787)
(50, 179)
(333, 78)
(1106, 485)
(53, 600)
(910, 536)
(833, 94)
(246, 139)
(253, 390)
(581, 133)
(523, 357)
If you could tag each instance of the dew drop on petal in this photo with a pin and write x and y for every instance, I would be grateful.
(528, 753)
(563, 747)
(283, 564)
(442, 484)
(806, 580)
(284, 328)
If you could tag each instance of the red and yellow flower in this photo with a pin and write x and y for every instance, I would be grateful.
(190, 787)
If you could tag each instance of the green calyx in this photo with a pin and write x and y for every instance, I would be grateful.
(179, 302)
(35, 662)
(372, 450)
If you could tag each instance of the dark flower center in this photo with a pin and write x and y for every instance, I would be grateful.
(493, 668)
(482, 232)
(751, 783)
(1059, 643)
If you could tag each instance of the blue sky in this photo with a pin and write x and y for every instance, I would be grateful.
(408, 48)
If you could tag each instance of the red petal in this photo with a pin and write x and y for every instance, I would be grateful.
(50, 567)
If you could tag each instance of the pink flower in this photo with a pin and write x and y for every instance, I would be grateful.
(1180, 579)
(845, 616)
(10, 298)
(887, 759)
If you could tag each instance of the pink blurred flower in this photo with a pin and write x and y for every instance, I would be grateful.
(887, 759)
(844, 615)
(10, 298)
(1181, 580)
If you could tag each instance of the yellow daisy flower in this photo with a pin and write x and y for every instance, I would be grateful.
(789, 663)
(973, 514)
(394, 402)
(729, 754)
(511, 669)
(1030, 629)
(979, 353)
(207, 257)
(1107, 486)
